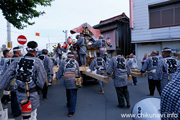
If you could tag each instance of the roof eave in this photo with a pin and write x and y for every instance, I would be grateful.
(109, 22)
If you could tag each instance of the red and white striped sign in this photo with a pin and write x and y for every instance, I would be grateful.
(22, 39)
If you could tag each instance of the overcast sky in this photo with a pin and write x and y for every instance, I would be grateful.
(64, 15)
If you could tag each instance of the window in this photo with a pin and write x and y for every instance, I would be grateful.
(164, 14)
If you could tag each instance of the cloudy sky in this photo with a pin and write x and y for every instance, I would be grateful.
(64, 15)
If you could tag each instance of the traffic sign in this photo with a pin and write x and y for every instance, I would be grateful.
(22, 39)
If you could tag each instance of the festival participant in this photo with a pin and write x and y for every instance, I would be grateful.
(100, 65)
(144, 58)
(7, 55)
(106, 59)
(101, 44)
(58, 52)
(166, 67)
(30, 74)
(82, 43)
(69, 68)
(16, 111)
(150, 65)
(119, 65)
(133, 65)
(49, 70)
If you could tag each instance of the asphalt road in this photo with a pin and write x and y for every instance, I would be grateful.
(90, 104)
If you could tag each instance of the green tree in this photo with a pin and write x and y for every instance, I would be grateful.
(20, 12)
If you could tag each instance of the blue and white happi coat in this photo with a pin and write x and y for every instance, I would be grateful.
(120, 68)
(165, 70)
(25, 69)
(47, 62)
(68, 65)
(170, 97)
(82, 43)
(150, 65)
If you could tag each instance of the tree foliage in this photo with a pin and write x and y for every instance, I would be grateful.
(20, 12)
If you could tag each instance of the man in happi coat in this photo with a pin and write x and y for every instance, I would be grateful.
(150, 65)
(28, 71)
(118, 65)
(166, 67)
(49, 70)
(69, 70)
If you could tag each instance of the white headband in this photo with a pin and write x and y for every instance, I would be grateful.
(166, 50)
(100, 35)
(32, 49)
(16, 50)
(70, 55)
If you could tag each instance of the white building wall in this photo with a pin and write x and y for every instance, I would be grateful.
(148, 40)
(146, 48)
(141, 31)
(172, 44)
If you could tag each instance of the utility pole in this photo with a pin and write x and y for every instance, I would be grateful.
(65, 31)
(9, 43)
(49, 44)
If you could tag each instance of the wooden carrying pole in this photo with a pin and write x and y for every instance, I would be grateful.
(97, 76)
(83, 68)
(137, 73)
(134, 73)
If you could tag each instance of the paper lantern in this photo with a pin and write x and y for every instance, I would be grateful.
(108, 41)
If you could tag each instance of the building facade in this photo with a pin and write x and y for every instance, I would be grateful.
(118, 30)
(155, 24)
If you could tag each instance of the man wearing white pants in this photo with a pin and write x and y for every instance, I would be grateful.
(33, 115)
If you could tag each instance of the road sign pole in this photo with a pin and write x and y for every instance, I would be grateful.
(23, 49)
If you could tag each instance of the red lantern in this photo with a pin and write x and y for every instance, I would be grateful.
(64, 45)
(108, 41)
(70, 40)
